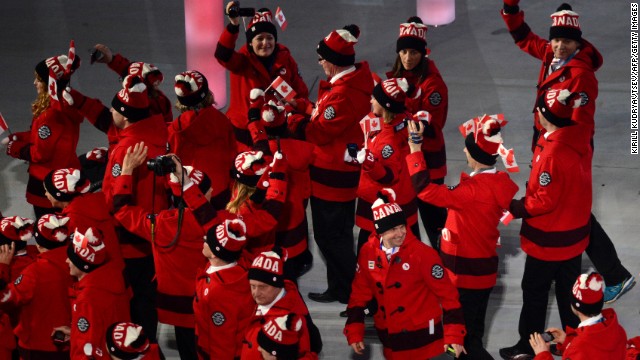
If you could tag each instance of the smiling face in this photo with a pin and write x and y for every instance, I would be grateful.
(563, 48)
(263, 44)
(394, 237)
(410, 58)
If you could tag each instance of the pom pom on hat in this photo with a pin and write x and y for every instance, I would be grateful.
(191, 87)
(51, 231)
(126, 341)
(249, 166)
(391, 94)
(262, 21)
(268, 267)
(132, 101)
(87, 251)
(279, 336)
(588, 293)
(227, 240)
(484, 142)
(557, 106)
(387, 214)
(16, 230)
(66, 184)
(413, 35)
(565, 24)
(148, 72)
(338, 47)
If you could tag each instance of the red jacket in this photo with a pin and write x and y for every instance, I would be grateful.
(475, 206)
(389, 147)
(418, 308)
(159, 104)
(603, 340)
(292, 302)
(335, 123)
(577, 75)
(223, 306)
(100, 300)
(50, 144)
(556, 209)
(90, 210)
(41, 293)
(248, 72)
(205, 140)
(175, 288)
(153, 132)
(434, 98)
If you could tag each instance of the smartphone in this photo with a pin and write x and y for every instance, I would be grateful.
(450, 352)
(96, 55)
(547, 336)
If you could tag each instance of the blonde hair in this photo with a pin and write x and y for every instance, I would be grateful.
(42, 102)
(388, 116)
(208, 101)
(242, 193)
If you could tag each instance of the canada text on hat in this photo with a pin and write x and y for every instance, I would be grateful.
(565, 24)
(262, 21)
(149, 72)
(16, 230)
(557, 106)
(392, 93)
(55, 66)
(338, 47)
(87, 251)
(588, 295)
(126, 340)
(413, 35)
(227, 239)
(65, 184)
(387, 214)
(191, 87)
(132, 100)
(51, 231)
(268, 267)
(280, 336)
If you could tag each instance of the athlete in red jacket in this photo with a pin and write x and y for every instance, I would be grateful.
(413, 64)
(556, 216)
(470, 237)
(202, 136)
(599, 335)
(177, 241)
(276, 297)
(51, 143)
(382, 157)
(223, 304)
(342, 101)
(41, 292)
(570, 62)
(100, 298)
(255, 65)
(418, 309)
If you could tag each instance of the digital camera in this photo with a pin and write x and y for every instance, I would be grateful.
(161, 165)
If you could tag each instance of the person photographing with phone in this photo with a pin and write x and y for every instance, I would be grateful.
(599, 335)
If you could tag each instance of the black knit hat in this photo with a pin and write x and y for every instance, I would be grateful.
(55, 64)
(268, 267)
(588, 293)
(126, 341)
(337, 47)
(261, 22)
(413, 35)
(279, 336)
(132, 101)
(387, 214)
(565, 24)
(227, 240)
(191, 87)
(51, 231)
(66, 184)
(477, 153)
(392, 93)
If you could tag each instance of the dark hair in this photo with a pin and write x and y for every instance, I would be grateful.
(421, 70)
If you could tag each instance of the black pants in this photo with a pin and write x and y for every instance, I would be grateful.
(433, 219)
(333, 231)
(604, 256)
(536, 283)
(139, 274)
(42, 355)
(186, 343)
(474, 306)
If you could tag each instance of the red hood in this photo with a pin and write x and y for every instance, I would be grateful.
(358, 80)
(196, 126)
(588, 58)
(84, 206)
(577, 137)
(105, 278)
(152, 130)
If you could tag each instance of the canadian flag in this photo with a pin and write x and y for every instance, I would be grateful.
(508, 159)
(280, 19)
(80, 240)
(467, 127)
(505, 219)
(281, 87)
(3, 125)
(70, 59)
(370, 123)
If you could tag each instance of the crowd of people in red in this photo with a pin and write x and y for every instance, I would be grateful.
(198, 219)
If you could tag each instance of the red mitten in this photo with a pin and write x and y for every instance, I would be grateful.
(366, 158)
(98, 155)
(15, 149)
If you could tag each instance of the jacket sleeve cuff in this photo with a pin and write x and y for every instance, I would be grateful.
(119, 64)
(518, 209)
